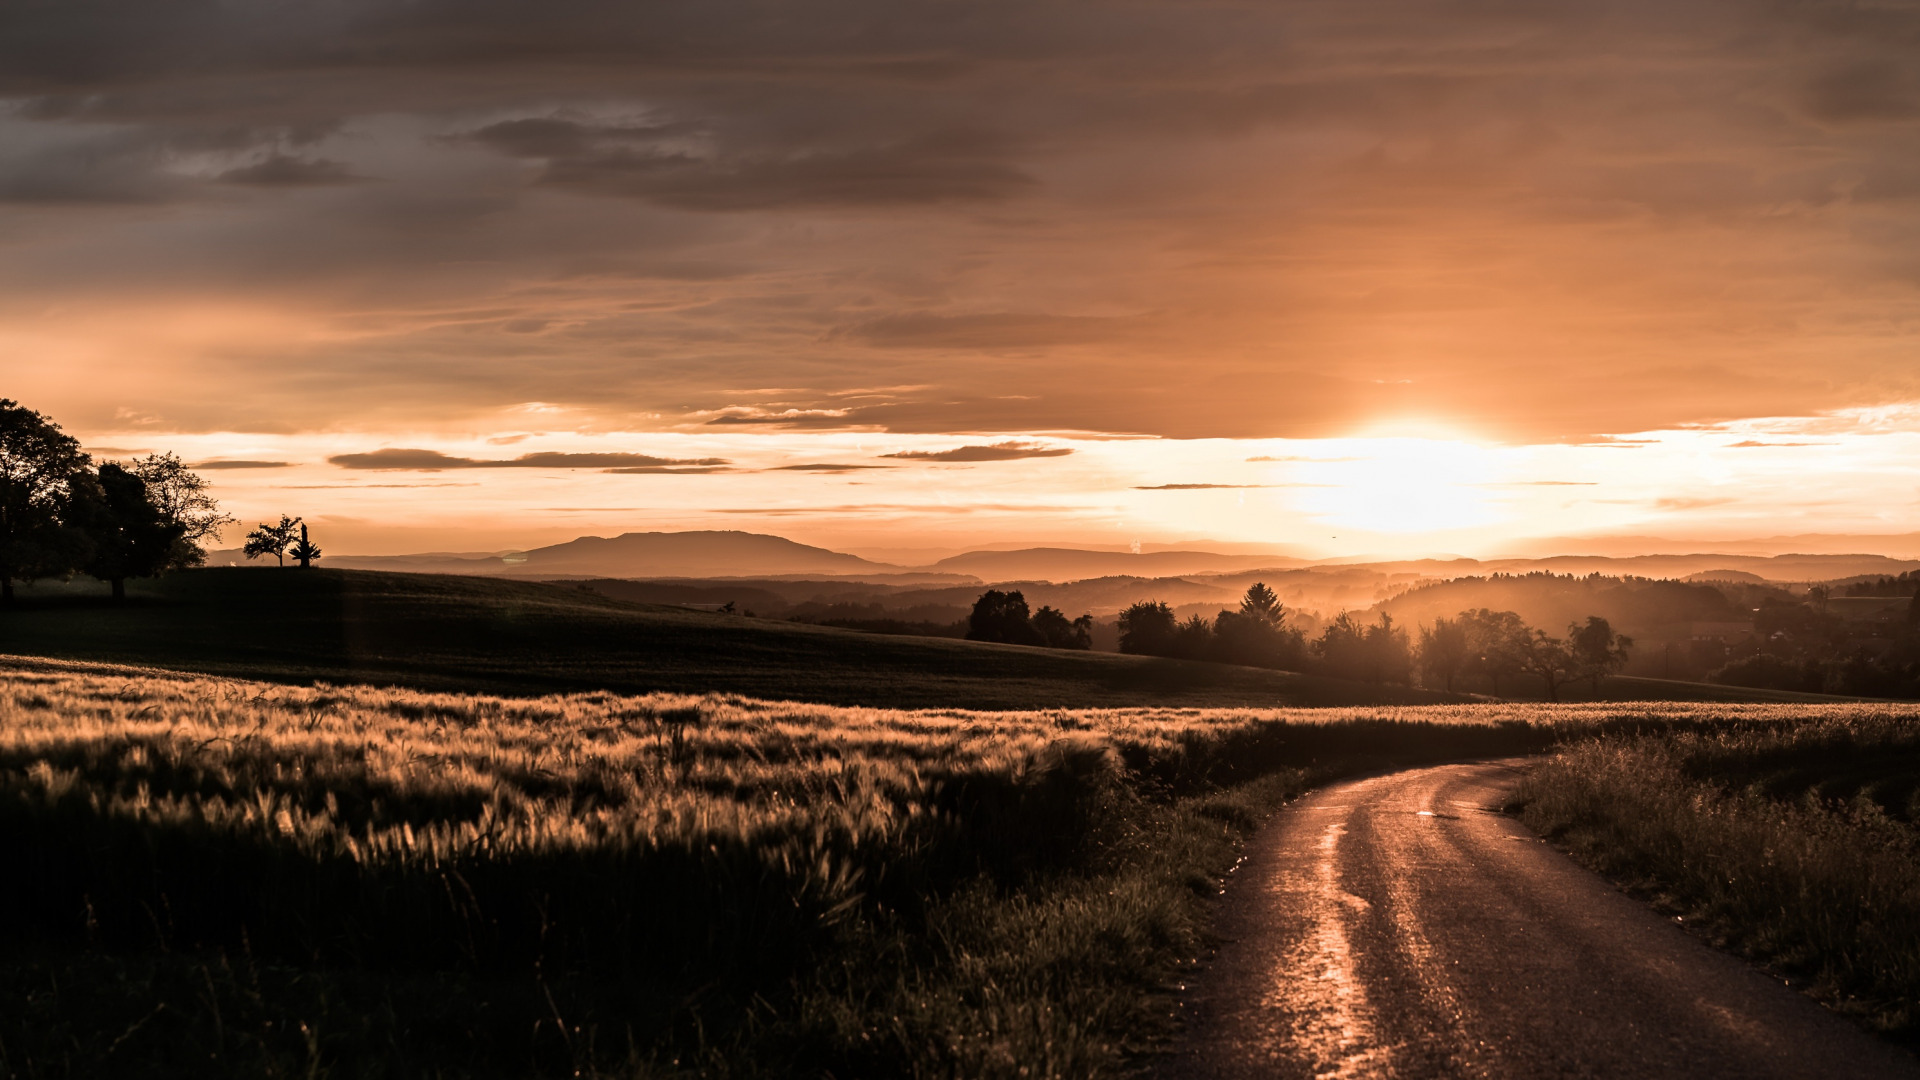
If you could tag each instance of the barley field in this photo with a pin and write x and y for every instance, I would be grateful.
(214, 877)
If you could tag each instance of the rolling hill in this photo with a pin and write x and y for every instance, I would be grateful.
(477, 634)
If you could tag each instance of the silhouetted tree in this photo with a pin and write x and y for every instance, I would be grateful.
(1443, 652)
(1388, 657)
(1058, 632)
(1497, 643)
(1193, 639)
(1342, 647)
(127, 534)
(1002, 616)
(1148, 628)
(306, 551)
(1597, 650)
(182, 500)
(38, 467)
(1261, 603)
(271, 540)
(1548, 658)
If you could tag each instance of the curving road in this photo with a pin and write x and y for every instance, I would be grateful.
(1400, 926)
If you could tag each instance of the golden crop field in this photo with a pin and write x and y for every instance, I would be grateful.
(610, 885)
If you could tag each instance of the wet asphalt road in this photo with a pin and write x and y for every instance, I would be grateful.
(1400, 926)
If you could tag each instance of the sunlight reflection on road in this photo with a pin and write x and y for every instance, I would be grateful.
(1328, 1014)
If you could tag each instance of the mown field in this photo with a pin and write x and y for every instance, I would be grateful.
(465, 634)
(213, 877)
(1789, 835)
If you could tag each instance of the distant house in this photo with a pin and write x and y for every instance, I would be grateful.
(1724, 632)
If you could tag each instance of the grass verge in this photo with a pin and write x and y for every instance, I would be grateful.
(1792, 843)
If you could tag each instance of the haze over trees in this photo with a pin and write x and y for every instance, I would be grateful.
(1255, 635)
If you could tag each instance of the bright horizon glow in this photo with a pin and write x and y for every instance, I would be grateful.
(1378, 494)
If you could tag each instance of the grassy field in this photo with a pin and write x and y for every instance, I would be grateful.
(467, 634)
(225, 878)
(1790, 835)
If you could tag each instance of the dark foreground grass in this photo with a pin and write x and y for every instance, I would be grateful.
(212, 878)
(1792, 838)
(466, 634)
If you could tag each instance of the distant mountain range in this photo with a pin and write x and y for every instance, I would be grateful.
(636, 555)
(1075, 564)
(1325, 585)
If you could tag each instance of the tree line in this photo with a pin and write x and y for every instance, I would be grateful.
(62, 515)
(1003, 616)
(1493, 647)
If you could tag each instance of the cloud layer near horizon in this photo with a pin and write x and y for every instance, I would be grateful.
(1529, 222)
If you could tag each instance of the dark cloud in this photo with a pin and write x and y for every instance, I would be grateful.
(398, 458)
(1876, 90)
(1538, 221)
(237, 463)
(826, 468)
(281, 170)
(1010, 450)
(989, 331)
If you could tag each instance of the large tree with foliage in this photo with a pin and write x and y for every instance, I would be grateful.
(1497, 644)
(1443, 652)
(128, 536)
(39, 465)
(1597, 651)
(181, 498)
(1061, 632)
(1148, 628)
(1548, 657)
(1257, 635)
(1002, 616)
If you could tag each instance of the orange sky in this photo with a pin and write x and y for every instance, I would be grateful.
(1477, 272)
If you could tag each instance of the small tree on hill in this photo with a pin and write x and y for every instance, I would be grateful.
(306, 551)
(39, 465)
(271, 540)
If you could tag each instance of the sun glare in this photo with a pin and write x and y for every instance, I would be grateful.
(1398, 485)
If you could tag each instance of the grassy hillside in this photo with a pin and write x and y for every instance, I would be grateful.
(473, 634)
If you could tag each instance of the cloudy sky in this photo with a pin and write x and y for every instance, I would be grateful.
(1335, 275)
